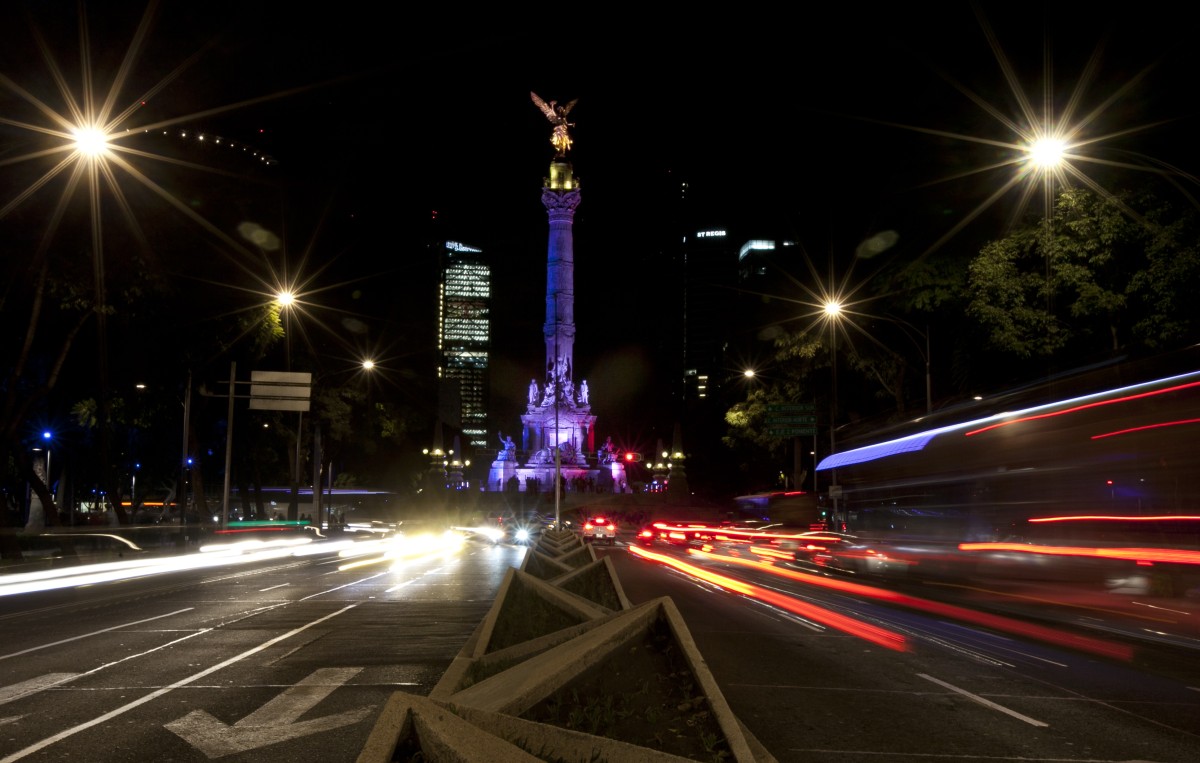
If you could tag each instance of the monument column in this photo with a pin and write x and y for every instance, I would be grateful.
(558, 424)
(560, 196)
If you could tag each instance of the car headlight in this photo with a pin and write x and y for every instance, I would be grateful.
(522, 535)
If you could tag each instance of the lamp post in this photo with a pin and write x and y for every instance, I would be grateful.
(286, 299)
(833, 312)
(47, 436)
(320, 506)
(183, 464)
(926, 356)
(41, 468)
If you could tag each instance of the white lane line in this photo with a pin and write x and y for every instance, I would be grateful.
(272, 588)
(413, 580)
(33, 686)
(982, 701)
(1164, 609)
(347, 585)
(94, 633)
(166, 689)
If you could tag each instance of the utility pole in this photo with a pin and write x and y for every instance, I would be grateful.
(228, 446)
(181, 497)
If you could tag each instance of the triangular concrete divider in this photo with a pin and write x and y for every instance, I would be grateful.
(496, 703)
(521, 687)
(527, 607)
(556, 542)
(542, 565)
(541, 640)
(410, 724)
(467, 670)
(596, 582)
(556, 744)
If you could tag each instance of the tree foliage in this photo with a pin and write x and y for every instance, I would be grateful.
(1101, 273)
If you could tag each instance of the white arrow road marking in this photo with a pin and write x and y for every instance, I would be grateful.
(67, 733)
(33, 686)
(274, 721)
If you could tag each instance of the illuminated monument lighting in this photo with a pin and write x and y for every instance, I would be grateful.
(558, 428)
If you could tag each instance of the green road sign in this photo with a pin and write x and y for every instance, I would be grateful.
(774, 420)
(791, 408)
(792, 432)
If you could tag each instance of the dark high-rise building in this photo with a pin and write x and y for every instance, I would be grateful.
(464, 340)
(767, 298)
(709, 261)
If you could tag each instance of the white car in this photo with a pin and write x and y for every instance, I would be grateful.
(600, 529)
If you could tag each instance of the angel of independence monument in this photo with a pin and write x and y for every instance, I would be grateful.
(558, 428)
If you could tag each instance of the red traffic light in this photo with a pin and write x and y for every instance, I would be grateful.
(631, 456)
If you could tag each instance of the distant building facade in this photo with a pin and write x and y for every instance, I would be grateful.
(464, 339)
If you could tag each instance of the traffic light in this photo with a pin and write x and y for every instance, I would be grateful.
(632, 457)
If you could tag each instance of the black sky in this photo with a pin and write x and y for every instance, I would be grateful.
(380, 113)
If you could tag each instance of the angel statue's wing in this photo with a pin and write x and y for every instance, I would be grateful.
(549, 112)
(567, 109)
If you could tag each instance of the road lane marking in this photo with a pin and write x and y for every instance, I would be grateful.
(985, 702)
(272, 588)
(274, 721)
(37, 746)
(340, 587)
(93, 633)
(33, 686)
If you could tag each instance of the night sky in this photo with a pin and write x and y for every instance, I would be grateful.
(829, 126)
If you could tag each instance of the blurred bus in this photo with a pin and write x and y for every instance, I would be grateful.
(1084, 474)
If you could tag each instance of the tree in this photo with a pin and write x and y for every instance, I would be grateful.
(1100, 274)
(36, 367)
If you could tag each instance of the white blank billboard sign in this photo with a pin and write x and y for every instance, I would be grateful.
(279, 391)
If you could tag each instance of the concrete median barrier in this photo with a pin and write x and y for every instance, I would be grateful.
(566, 669)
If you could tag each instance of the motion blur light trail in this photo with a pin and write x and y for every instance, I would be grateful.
(402, 548)
(92, 574)
(225, 554)
(1140, 555)
(865, 631)
(1085, 406)
(995, 622)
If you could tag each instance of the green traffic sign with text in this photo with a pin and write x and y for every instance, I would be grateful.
(792, 432)
(791, 408)
(774, 420)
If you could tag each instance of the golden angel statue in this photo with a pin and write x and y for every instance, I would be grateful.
(558, 117)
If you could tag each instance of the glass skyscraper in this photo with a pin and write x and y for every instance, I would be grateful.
(464, 336)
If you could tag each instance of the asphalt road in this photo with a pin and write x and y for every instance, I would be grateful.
(936, 687)
(284, 659)
(291, 658)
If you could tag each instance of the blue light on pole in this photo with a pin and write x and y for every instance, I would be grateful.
(47, 436)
